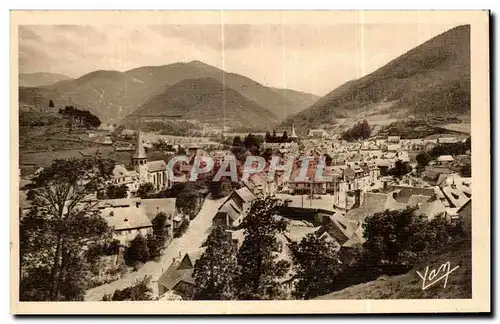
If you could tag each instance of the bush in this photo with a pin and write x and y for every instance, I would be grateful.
(179, 231)
(137, 252)
(139, 291)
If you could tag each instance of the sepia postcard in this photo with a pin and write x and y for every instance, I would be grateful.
(250, 162)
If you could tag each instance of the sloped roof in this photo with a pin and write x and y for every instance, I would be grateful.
(120, 202)
(154, 206)
(297, 233)
(124, 218)
(431, 209)
(445, 158)
(374, 203)
(170, 278)
(156, 166)
(231, 209)
(245, 194)
(415, 200)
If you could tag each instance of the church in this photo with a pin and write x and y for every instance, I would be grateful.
(143, 171)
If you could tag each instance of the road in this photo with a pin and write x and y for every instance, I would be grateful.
(192, 239)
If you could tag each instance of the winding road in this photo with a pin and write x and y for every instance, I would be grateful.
(192, 239)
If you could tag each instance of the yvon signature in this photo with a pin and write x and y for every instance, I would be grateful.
(436, 275)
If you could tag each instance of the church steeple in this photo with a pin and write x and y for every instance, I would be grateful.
(293, 135)
(140, 159)
(140, 152)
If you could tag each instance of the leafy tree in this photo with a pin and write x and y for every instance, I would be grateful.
(274, 138)
(268, 137)
(328, 159)
(465, 171)
(316, 264)
(51, 104)
(237, 141)
(189, 200)
(359, 131)
(396, 240)
(154, 245)
(139, 291)
(159, 223)
(284, 137)
(215, 270)
(115, 192)
(138, 251)
(61, 228)
(423, 159)
(268, 154)
(260, 269)
(400, 169)
(146, 190)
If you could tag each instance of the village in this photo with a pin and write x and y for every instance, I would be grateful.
(359, 179)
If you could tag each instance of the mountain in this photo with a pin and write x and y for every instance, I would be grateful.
(108, 94)
(112, 95)
(432, 79)
(281, 102)
(205, 101)
(40, 79)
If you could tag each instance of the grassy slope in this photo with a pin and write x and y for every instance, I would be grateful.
(409, 285)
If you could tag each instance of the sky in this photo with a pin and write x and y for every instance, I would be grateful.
(314, 58)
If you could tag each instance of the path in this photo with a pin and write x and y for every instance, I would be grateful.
(191, 240)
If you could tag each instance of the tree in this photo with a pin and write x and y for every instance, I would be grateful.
(215, 270)
(268, 137)
(139, 291)
(138, 251)
(423, 159)
(328, 160)
(465, 170)
(146, 190)
(260, 269)
(155, 246)
(316, 264)
(400, 169)
(274, 138)
(360, 130)
(284, 137)
(61, 228)
(188, 201)
(396, 240)
(116, 192)
(51, 104)
(237, 141)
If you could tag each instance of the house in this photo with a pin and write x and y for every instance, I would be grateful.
(393, 139)
(178, 279)
(340, 229)
(317, 133)
(122, 176)
(232, 212)
(153, 207)
(310, 184)
(445, 159)
(371, 203)
(447, 140)
(127, 218)
(393, 147)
